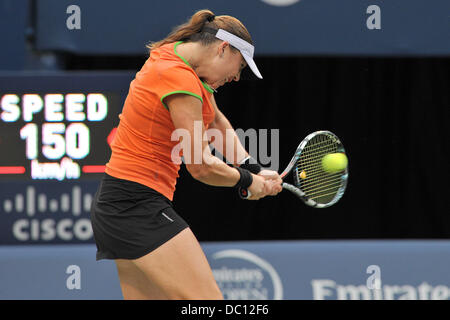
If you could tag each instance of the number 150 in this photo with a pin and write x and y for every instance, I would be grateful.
(57, 140)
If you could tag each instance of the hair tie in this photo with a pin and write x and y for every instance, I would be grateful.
(210, 18)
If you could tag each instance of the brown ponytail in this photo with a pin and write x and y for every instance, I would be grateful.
(191, 30)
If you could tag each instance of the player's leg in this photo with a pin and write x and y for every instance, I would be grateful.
(180, 269)
(134, 283)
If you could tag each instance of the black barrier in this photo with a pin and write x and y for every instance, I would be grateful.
(389, 113)
(391, 117)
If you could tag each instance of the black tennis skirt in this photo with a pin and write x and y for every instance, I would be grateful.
(130, 220)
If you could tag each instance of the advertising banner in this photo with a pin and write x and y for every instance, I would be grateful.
(277, 270)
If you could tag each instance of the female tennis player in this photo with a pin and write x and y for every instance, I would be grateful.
(134, 223)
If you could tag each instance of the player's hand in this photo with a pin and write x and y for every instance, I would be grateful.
(259, 188)
(269, 174)
(274, 181)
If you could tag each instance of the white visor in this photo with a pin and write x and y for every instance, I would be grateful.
(243, 46)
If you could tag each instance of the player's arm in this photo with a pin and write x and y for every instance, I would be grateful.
(186, 114)
(229, 146)
(238, 153)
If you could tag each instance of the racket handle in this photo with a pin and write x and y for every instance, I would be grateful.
(244, 193)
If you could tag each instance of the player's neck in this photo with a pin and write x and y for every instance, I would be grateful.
(197, 55)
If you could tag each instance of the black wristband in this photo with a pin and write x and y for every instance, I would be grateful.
(245, 180)
(251, 165)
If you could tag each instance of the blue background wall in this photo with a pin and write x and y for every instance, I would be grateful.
(33, 32)
(319, 27)
(309, 270)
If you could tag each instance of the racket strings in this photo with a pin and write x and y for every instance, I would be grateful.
(314, 150)
(319, 155)
(321, 184)
(318, 184)
(325, 196)
(320, 192)
(312, 171)
(330, 181)
(313, 185)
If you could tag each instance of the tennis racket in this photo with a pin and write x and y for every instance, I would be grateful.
(311, 183)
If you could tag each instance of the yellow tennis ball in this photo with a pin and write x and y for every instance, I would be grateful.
(334, 162)
(303, 174)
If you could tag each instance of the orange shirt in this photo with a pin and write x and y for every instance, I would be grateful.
(142, 147)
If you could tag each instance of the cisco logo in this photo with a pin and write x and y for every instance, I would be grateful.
(38, 215)
(242, 275)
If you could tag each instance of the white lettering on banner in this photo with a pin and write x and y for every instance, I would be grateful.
(321, 288)
(11, 111)
(327, 289)
(97, 107)
(74, 107)
(238, 275)
(244, 282)
(53, 170)
(40, 218)
(360, 292)
(55, 107)
(31, 104)
(49, 229)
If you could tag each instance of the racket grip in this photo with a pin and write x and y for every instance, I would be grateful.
(244, 193)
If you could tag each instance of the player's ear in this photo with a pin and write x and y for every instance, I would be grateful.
(222, 48)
